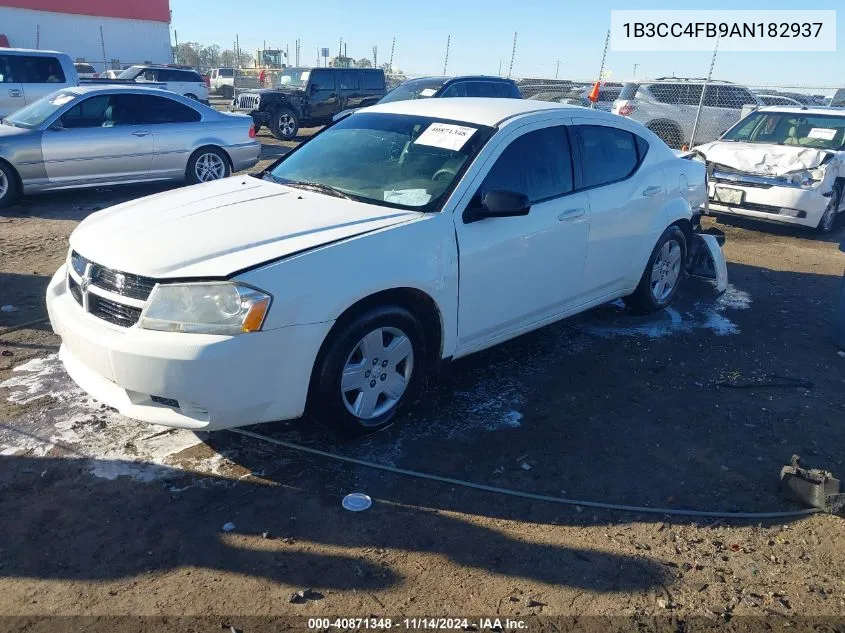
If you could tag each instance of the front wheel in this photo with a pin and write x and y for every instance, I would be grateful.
(207, 164)
(284, 124)
(8, 185)
(663, 273)
(368, 371)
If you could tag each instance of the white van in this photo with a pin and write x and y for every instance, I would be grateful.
(27, 75)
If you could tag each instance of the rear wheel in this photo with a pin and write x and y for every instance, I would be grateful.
(369, 369)
(8, 185)
(284, 124)
(828, 221)
(663, 273)
(192, 96)
(207, 164)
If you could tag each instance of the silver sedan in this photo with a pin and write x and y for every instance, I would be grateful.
(92, 136)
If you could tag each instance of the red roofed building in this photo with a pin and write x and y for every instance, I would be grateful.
(133, 31)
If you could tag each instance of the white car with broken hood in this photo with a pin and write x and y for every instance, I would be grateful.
(405, 234)
(781, 164)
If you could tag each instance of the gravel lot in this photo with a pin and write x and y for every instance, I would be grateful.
(103, 515)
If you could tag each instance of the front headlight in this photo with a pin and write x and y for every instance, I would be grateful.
(807, 178)
(205, 308)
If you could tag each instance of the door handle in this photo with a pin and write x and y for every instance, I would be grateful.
(141, 133)
(653, 190)
(14, 92)
(571, 214)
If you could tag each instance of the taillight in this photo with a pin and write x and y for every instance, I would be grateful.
(251, 131)
(626, 110)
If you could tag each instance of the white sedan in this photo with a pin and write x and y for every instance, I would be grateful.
(781, 164)
(406, 234)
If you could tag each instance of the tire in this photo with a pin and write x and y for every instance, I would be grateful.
(361, 402)
(828, 221)
(192, 96)
(8, 185)
(284, 125)
(227, 91)
(667, 264)
(668, 132)
(207, 164)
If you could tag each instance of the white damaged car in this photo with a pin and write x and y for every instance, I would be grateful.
(781, 164)
(405, 234)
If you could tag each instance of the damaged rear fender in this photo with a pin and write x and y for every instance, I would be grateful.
(706, 260)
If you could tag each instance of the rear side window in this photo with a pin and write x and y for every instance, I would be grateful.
(7, 73)
(538, 164)
(481, 89)
(733, 97)
(40, 70)
(456, 90)
(372, 81)
(154, 110)
(227, 72)
(322, 80)
(507, 90)
(608, 154)
(188, 76)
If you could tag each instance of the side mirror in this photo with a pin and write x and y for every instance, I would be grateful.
(498, 203)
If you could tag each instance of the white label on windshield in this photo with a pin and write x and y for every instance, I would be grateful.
(409, 197)
(825, 133)
(446, 136)
(427, 92)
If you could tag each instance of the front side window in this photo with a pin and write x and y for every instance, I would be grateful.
(90, 112)
(537, 164)
(131, 73)
(291, 78)
(226, 72)
(608, 154)
(820, 131)
(408, 162)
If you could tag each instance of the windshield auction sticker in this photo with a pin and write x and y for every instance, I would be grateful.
(684, 30)
(445, 135)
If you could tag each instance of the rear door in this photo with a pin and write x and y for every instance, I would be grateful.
(11, 86)
(349, 89)
(100, 139)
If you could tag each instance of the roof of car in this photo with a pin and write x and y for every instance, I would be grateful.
(107, 87)
(788, 109)
(683, 80)
(481, 111)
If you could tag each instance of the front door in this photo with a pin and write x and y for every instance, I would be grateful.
(518, 272)
(98, 140)
(322, 95)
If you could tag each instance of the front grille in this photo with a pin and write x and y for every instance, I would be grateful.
(112, 311)
(120, 283)
(247, 102)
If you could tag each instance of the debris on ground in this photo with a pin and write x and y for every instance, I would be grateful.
(356, 502)
(228, 527)
(813, 487)
(304, 595)
(266, 535)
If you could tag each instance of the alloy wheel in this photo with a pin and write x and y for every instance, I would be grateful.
(287, 125)
(209, 166)
(666, 271)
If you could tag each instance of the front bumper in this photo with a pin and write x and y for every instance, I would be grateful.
(208, 382)
(785, 205)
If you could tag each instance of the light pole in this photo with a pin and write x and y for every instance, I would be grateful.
(557, 69)
(635, 70)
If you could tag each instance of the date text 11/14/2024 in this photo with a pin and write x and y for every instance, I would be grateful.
(418, 623)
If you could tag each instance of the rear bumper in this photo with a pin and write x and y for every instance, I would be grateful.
(245, 155)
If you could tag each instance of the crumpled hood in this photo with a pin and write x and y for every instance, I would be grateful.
(218, 228)
(766, 159)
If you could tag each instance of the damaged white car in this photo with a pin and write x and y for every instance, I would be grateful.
(403, 235)
(781, 164)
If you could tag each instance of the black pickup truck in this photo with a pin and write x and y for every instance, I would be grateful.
(310, 96)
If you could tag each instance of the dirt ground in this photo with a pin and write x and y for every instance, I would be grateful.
(100, 515)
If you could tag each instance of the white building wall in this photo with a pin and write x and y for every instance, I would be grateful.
(129, 41)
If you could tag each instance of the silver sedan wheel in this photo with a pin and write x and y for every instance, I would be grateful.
(209, 166)
(666, 271)
(4, 185)
(287, 124)
(377, 373)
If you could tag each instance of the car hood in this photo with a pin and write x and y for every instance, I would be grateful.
(8, 132)
(219, 228)
(763, 158)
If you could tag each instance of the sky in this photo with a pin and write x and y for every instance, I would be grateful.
(565, 31)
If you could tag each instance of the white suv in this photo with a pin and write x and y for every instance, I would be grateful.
(183, 81)
(26, 76)
(668, 107)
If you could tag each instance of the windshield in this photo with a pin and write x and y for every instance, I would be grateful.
(414, 89)
(294, 78)
(407, 162)
(39, 111)
(130, 73)
(818, 131)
